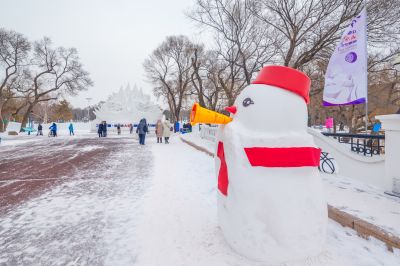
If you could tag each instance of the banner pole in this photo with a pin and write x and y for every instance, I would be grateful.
(366, 62)
(366, 117)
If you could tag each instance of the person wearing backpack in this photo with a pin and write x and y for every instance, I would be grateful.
(141, 130)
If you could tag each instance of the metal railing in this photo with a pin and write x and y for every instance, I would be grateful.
(209, 133)
(364, 144)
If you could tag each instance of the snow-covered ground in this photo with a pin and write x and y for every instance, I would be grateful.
(363, 201)
(140, 205)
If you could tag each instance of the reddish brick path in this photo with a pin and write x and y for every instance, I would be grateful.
(72, 200)
(30, 169)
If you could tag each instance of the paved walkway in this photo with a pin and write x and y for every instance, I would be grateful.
(71, 201)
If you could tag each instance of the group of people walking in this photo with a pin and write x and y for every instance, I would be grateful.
(163, 129)
(53, 130)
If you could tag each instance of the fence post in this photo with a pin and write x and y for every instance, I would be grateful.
(391, 125)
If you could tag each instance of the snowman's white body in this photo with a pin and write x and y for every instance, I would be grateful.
(276, 214)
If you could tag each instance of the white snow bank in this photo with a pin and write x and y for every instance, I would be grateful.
(179, 222)
(62, 127)
(13, 126)
(195, 138)
(80, 128)
(363, 201)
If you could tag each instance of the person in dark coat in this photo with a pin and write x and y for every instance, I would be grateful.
(39, 130)
(104, 129)
(119, 129)
(142, 129)
(100, 130)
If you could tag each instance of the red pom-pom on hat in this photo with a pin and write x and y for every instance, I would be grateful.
(285, 78)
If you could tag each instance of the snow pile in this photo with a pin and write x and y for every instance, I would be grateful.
(13, 126)
(196, 138)
(363, 201)
(80, 128)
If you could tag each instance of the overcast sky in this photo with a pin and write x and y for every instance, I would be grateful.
(113, 37)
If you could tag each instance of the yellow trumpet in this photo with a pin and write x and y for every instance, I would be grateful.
(202, 115)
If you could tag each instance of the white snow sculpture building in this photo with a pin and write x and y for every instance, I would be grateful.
(127, 106)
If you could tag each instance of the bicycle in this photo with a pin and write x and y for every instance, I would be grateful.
(326, 163)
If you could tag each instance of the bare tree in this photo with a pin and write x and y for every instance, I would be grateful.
(304, 28)
(216, 78)
(197, 76)
(308, 30)
(169, 69)
(53, 71)
(14, 48)
(205, 78)
(238, 31)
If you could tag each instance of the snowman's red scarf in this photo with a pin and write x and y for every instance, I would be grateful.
(283, 157)
(269, 157)
(223, 170)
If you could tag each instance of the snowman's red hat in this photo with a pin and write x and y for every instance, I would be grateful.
(285, 78)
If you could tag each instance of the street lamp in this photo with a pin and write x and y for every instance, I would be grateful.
(88, 111)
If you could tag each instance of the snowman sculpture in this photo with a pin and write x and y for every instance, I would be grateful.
(271, 206)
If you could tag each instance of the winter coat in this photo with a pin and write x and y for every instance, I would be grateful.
(40, 127)
(100, 128)
(104, 127)
(167, 129)
(159, 129)
(142, 127)
(71, 127)
(53, 127)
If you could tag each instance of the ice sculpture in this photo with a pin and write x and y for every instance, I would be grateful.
(127, 106)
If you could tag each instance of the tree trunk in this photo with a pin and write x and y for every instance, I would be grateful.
(2, 125)
(26, 116)
(176, 114)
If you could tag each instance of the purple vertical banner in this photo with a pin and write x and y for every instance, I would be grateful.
(346, 75)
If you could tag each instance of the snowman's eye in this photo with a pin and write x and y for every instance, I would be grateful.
(247, 102)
